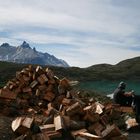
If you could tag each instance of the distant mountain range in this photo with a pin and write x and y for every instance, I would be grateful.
(25, 54)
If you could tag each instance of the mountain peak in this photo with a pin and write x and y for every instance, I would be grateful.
(25, 54)
(5, 45)
(25, 45)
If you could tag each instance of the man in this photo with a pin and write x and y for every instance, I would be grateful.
(127, 99)
(121, 97)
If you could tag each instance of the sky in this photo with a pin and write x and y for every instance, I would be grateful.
(81, 32)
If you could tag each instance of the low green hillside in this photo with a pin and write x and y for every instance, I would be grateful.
(8, 71)
(124, 70)
(127, 69)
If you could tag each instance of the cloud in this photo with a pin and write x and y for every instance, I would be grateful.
(55, 15)
(11, 41)
(83, 32)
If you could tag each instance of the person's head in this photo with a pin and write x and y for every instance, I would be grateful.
(122, 85)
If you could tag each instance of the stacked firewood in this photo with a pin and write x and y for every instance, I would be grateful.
(47, 108)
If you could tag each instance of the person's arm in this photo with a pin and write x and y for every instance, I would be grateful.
(129, 93)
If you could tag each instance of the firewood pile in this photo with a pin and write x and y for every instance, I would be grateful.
(46, 108)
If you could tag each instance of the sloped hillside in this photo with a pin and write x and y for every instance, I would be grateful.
(127, 69)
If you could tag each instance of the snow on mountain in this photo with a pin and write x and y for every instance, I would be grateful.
(25, 54)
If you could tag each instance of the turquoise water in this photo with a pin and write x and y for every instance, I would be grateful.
(107, 87)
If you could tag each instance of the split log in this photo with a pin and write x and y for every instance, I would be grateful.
(47, 127)
(96, 128)
(58, 122)
(42, 79)
(111, 131)
(73, 109)
(22, 124)
(7, 94)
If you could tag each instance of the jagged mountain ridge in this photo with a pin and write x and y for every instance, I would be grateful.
(25, 54)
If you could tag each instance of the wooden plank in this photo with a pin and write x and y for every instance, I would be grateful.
(90, 136)
(50, 73)
(99, 108)
(65, 83)
(87, 108)
(39, 70)
(27, 122)
(22, 124)
(47, 127)
(126, 109)
(26, 78)
(17, 90)
(77, 132)
(30, 67)
(53, 134)
(58, 122)
(49, 96)
(16, 123)
(42, 79)
(66, 121)
(96, 128)
(73, 109)
(92, 117)
(22, 137)
(50, 87)
(33, 83)
(104, 119)
(111, 131)
(51, 81)
(7, 94)
(38, 120)
(66, 101)
(42, 88)
(37, 92)
(76, 125)
(27, 89)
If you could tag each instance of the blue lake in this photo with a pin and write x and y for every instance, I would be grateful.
(107, 87)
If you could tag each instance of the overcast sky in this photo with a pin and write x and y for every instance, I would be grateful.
(82, 32)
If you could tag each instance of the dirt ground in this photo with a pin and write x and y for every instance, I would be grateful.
(5, 128)
(134, 136)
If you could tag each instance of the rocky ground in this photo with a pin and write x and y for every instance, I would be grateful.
(5, 128)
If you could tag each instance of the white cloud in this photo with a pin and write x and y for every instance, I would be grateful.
(57, 16)
(94, 55)
(11, 41)
(42, 38)
(109, 28)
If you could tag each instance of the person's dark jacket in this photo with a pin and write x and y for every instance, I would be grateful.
(119, 97)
